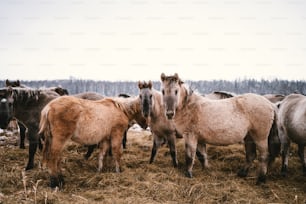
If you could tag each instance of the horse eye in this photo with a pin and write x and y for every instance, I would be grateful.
(163, 92)
(175, 92)
(151, 96)
(140, 96)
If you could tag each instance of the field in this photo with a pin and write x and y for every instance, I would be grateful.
(141, 182)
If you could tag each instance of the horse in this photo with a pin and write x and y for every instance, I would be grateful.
(274, 98)
(219, 95)
(221, 122)
(163, 130)
(22, 128)
(86, 122)
(25, 105)
(291, 124)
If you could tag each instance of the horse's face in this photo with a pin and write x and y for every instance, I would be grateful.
(146, 98)
(170, 87)
(6, 107)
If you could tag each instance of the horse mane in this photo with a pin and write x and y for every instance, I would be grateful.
(24, 95)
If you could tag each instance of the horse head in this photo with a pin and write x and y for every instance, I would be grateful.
(145, 95)
(171, 90)
(6, 106)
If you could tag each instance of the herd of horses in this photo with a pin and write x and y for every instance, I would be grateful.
(50, 117)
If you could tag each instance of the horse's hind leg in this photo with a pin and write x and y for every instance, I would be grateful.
(104, 146)
(172, 147)
(202, 155)
(263, 160)
(302, 155)
(116, 139)
(190, 148)
(250, 154)
(285, 157)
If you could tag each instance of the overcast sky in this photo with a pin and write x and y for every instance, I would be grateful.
(140, 39)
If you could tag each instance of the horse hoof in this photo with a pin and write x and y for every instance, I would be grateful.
(261, 179)
(284, 171)
(29, 167)
(57, 182)
(189, 174)
(242, 173)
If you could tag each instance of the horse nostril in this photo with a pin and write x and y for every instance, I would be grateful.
(170, 114)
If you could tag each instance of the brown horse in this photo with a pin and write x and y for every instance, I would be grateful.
(291, 124)
(220, 122)
(219, 95)
(162, 129)
(85, 122)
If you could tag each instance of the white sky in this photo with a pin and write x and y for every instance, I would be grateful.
(140, 39)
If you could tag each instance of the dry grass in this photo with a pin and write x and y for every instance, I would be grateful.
(141, 182)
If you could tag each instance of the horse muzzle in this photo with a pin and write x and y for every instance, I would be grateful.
(170, 114)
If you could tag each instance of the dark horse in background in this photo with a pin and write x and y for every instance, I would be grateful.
(22, 127)
(25, 104)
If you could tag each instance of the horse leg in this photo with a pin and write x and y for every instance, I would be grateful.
(190, 148)
(104, 146)
(90, 149)
(250, 154)
(302, 155)
(53, 164)
(263, 160)
(172, 147)
(116, 139)
(33, 142)
(157, 142)
(285, 157)
(124, 139)
(202, 155)
(22, 133)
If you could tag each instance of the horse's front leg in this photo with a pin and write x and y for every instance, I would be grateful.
(33, 142)
(22, 134)
(116, 139)
(190, 148)
(104, 146)
(302, 155)
(250, 155)
(171, 142)
(202, 155)
(157, 143)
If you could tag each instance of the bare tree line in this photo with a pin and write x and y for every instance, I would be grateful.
(108, 88)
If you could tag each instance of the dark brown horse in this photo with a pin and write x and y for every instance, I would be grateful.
(292, 124)
(221, 122)
(25, 104)
(86, 122)
(22, 128)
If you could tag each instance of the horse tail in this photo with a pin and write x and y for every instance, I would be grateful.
(45, 133)
(274, 143)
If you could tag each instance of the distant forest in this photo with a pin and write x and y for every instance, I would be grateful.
(108, 88)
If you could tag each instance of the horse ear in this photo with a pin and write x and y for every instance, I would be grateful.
(7, 82)
(18, 83)
(176, 76)
(140, 85)
(150, 84)
(162, 76)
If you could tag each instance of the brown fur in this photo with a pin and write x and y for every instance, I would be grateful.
(274, 98)
(85, 122)
(219, 122)
(292, 122)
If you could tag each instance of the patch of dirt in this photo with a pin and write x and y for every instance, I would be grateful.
(141, 182)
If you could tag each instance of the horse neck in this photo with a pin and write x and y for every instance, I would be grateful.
(185, 96)
(157, 107)
(131, 107)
